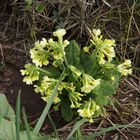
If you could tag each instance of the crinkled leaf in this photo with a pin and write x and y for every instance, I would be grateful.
(116, 80)
(73, 53)
(106, 89)
(86, 63)
(108, 73)
(102, 100)
(89, 64)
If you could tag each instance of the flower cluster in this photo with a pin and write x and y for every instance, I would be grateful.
(124, 68)
(46, 87)
(88, 109)
(104, 48)
(31, 74)
(49, 49)
(88, 82)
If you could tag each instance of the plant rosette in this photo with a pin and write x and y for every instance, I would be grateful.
(91, 76)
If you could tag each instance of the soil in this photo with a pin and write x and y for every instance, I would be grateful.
(11, 83)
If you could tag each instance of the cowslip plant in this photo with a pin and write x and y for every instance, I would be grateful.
(91, 74)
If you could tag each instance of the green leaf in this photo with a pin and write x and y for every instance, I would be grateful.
(17, 123)
(78, 135)
(66, 110)
(85, 61)
(76, 127)
(112, 128)
(54, 126)
(103, 92)
(6, 110)
(29, 2)
(106, 89)
(108, 73)
(116, 80)
(7, 121)
(7, 129)
(26, 125)
(40, 7)
(73, 53)
(90, 64)
(23, 136)
(102, 100)
(51, 72)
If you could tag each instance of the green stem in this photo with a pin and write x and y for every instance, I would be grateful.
(47, 107)
(65, 60)
(46, 72)
(94, 61)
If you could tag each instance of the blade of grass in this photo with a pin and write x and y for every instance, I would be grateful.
(53, 125)
(26, 124)
(79, 135)
(105, 130)
(47, 107)
(18, 116)
(76, 127)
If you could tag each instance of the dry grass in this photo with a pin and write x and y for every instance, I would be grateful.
(118, 19)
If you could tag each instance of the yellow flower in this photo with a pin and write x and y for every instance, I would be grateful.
(28, 80)
(57, 54)
(75, 98)
(39, 57)
(46, 98)
(85, 113)
(59, 33)
(124, 68)
(46, 88)
(86, 49)
(65, 43)
(31, 72)
(96, 32)
(106, 50)
(127, 63)
(112, 78)
(75, 70)
(43, 43)
(88, 110)
(89, 83)
(125, 72)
